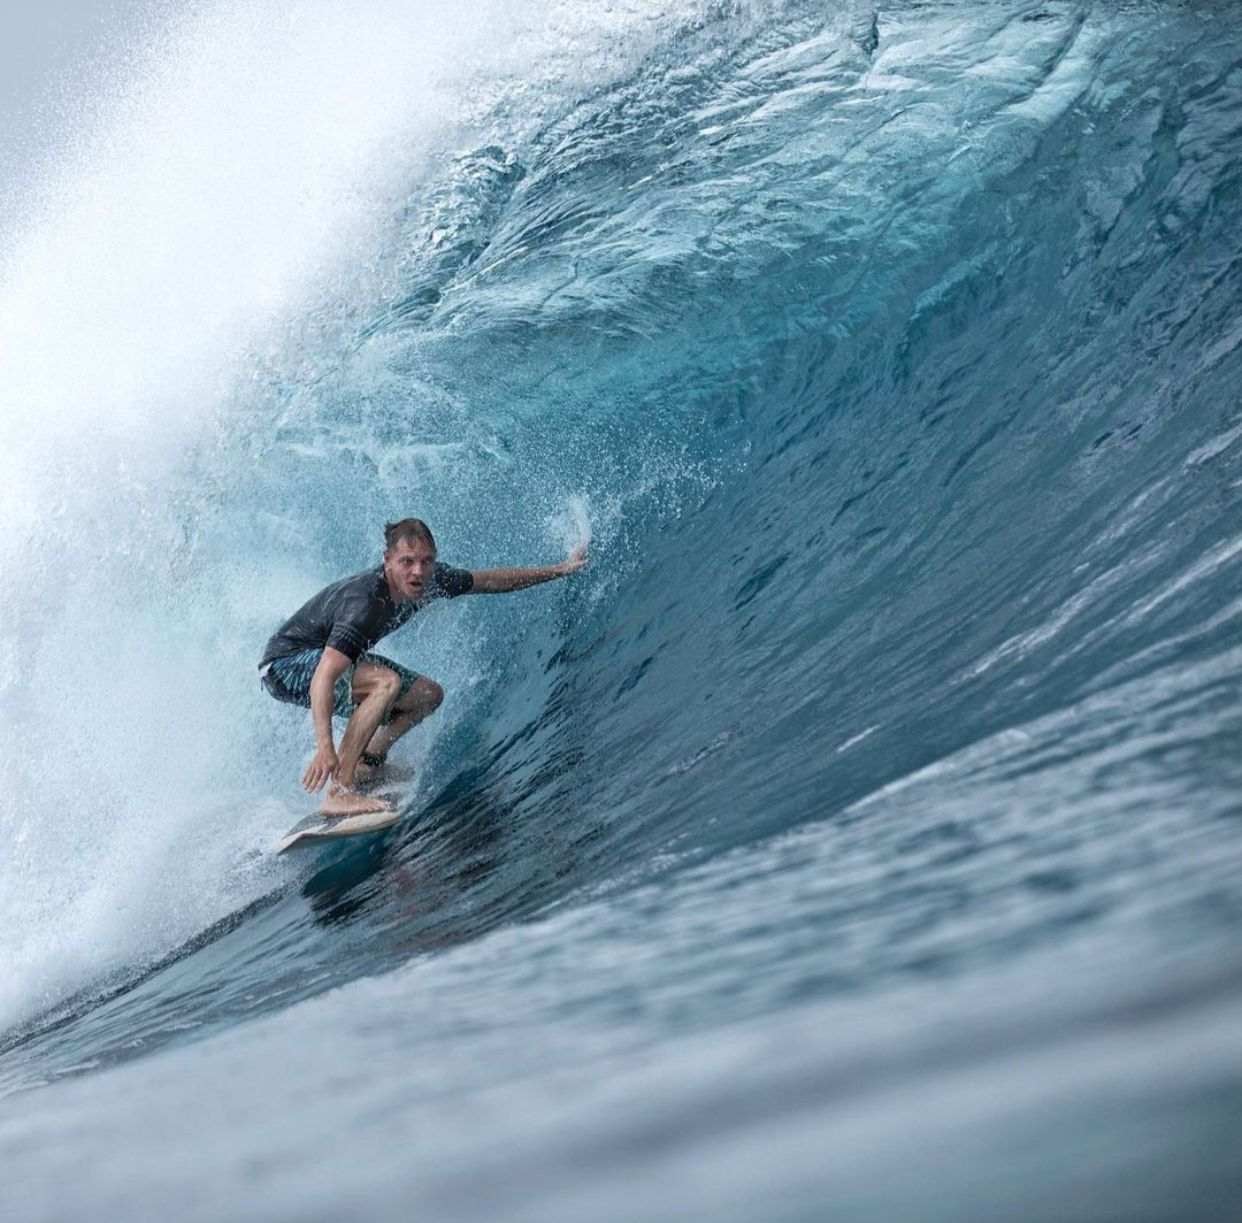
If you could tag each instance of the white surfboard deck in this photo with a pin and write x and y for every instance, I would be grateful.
(317, 828)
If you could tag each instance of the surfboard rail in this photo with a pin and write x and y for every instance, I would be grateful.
(319, 827)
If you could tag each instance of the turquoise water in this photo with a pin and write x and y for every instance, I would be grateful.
(858, 837)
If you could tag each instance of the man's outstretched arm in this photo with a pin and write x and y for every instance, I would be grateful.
(502, 581)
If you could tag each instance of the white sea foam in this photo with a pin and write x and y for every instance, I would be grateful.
(235, 177)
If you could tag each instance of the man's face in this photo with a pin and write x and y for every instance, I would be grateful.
(407, 566)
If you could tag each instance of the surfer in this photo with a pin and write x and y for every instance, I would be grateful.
(320, 657)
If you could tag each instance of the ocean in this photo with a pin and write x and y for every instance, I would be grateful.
(857, 837)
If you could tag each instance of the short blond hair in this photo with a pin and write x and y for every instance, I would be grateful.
(408, 528)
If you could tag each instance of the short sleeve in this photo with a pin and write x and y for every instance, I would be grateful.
(452, 582)
(351, 631)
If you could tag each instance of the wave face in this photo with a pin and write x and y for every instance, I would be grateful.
(883, 764)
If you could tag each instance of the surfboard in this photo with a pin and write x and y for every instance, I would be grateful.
(316, 829)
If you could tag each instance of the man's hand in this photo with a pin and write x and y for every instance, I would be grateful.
(577, 560)
(321, 768)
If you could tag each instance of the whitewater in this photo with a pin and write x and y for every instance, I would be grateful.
(858, 837)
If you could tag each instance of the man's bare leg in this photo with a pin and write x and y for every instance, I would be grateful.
(421, 699)
(375, 689)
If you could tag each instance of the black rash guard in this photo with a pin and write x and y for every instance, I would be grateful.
(353, 614)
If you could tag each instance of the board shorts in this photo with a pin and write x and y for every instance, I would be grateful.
(288, 679)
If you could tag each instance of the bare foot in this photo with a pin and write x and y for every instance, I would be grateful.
(340, 801)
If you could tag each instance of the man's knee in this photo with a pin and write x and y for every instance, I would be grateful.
(434, 694)
(424, 694)
(383, 680)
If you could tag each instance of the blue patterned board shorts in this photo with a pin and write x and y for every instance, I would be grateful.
(288, 679)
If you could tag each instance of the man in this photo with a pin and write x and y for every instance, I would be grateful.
(320, 657)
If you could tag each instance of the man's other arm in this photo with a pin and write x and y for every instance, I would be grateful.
(332, 665)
